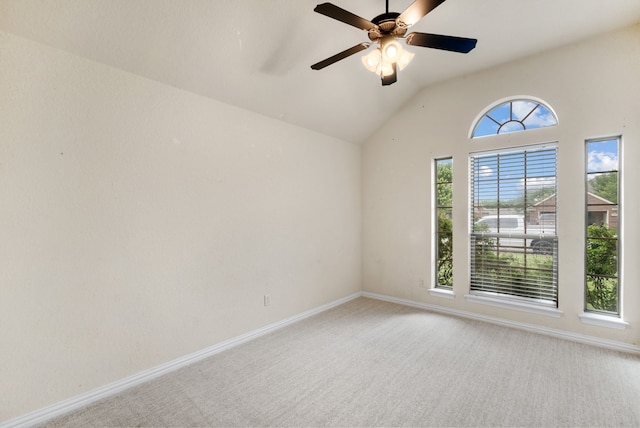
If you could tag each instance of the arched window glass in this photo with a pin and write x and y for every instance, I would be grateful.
(513, 116)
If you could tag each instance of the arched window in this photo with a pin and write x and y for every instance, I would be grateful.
(514, 253)
(513, 116)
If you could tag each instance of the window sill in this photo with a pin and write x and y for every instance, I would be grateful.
(518, 306)
(442, 292)
(603, 320)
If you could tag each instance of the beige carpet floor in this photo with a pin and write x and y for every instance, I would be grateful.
(373, 363)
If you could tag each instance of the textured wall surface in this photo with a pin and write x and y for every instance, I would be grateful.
(140, 223)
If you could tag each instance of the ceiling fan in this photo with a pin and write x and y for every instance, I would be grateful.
(385, 30)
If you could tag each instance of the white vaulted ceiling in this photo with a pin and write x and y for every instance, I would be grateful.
(256, 54)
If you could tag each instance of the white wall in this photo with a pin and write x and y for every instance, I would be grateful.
(593, 87)
(140, 223)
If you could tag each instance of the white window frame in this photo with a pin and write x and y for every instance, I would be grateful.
(535, 122)
(436, 224)
(612, 319)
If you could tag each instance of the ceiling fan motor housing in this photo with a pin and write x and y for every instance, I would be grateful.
(386, 25)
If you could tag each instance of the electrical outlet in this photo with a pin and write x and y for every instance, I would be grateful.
(267, 299)
(421, 283)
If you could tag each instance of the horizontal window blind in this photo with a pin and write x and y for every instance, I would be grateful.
(513, 240)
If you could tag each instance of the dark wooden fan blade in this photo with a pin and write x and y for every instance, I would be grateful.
(438, 41)
(342, 55)
(392, 78)
(416, 11)
(333, 11)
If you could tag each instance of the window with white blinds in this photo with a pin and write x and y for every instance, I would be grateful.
(513, 240)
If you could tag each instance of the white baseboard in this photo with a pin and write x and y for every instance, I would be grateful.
(581, 338)
(74, 403)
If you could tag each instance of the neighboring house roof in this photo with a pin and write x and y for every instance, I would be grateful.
(591, 196)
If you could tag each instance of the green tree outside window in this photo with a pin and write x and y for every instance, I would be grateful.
(444, 233)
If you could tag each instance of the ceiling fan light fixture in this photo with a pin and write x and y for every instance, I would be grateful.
(391, 50)
(372, 61)
(386, 69)
(380, 61)
(404, 59)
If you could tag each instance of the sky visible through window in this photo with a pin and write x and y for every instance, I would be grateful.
(602, 156)
(505, 177)
(513, 116)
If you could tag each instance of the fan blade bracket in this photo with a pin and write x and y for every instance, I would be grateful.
(374, 34)
(442, 42)
(332, 11)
